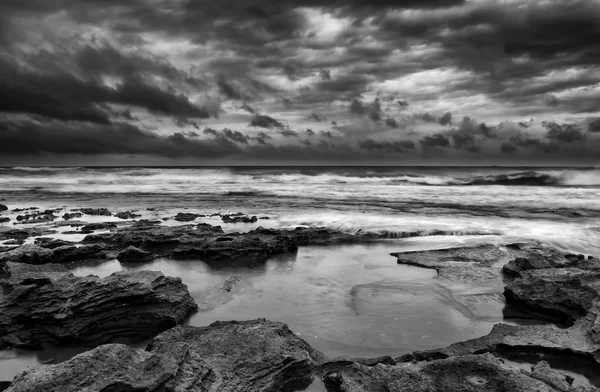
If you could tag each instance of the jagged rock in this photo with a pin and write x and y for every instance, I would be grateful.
(543, 258)
(72, 215)
(4, 220)
(560, 294)
(186, 217)
(260, 355)
(134, 255)
(90, 228)
(543, 372)
(127, 215)
(37, 217)
(3, 207)
(34, 254)
(52, 243)
(472, 263)
(47, 304)
(22, 234)
(96, 211)
(238, 219)
(25, 209)
(233, 356)
(209, 243)
(111, 367)
(230, 282)
(476, 373)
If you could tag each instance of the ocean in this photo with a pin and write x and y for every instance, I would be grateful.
(349, 300)
(559, 206)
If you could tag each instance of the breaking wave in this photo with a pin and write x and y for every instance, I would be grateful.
(279, 181)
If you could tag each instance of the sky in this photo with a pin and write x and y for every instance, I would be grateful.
(250, 82)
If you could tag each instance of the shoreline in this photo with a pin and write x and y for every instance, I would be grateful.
(515, 267)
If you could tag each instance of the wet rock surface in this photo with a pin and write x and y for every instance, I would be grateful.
(96, 211)
(22, 234)
(36, 217)
(47, 304)
(133, 255)
(256, 355)
(186, 217)
(467, 373)
(239, 219)
(211, 244)
(34, 254)
(550, 285)
(91, 227)
(72, 215)
(127, 215)
(261, 355)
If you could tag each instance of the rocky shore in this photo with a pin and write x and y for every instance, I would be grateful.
(41, 303)
(47, 304)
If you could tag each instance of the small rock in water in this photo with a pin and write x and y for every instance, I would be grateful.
(89, 228)
(185, 217)
(236, 218)
(72, 215)
(127, 215)
(96, 211)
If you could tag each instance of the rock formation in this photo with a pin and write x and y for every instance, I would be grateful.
(232, 356)
(47, 304)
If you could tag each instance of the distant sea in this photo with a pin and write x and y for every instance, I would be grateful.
(558, 205)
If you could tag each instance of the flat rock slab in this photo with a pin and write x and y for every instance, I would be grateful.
(475, 373)
(256, 355)
(49, 253)
(47, 304)
(487, 261)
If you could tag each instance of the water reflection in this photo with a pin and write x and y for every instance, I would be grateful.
(351, 300)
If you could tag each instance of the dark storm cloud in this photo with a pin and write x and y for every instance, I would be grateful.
(248, 108)
(317, 117)
(465, 142)
(230, 91)
(392, 123)
(56, 137)
(395, 146)
(518, 57)
(508, 148)
(485, 38)
(183, 122)
(264, 121)
(437, 140)
(61, 95)
(228, 134)
(372, 110)
(288, 133)
(567, 133)
(107, 60)
(446, 119)
(137, 93)
(594, 126)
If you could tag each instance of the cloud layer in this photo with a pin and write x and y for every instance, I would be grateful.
(355, 81)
